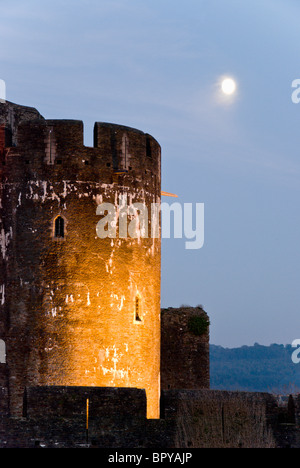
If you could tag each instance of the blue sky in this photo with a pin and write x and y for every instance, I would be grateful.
(157, 65)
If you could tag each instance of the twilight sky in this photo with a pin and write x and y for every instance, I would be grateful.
(156, 65)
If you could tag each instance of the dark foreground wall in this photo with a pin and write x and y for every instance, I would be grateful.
(56, 417)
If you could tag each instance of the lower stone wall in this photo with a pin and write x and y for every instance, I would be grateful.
(4, 404)
(220, 419)
(4, 401)
(55, 417)
(3, 375)
(61, 415)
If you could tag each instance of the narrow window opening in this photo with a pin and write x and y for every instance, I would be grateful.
(138, 309)
(59, 229)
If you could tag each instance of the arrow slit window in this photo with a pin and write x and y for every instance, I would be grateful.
(59, 228)
(138, 309)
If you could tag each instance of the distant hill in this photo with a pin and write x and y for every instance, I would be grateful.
(254, 368)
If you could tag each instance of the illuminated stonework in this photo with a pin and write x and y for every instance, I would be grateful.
(76, 310)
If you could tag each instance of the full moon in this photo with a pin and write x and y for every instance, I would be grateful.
(228, 86)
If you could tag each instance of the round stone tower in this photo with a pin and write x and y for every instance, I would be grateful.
(78, 308)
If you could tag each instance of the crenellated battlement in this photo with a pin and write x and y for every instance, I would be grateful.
(36, 145)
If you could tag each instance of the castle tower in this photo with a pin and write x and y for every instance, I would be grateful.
(76, 309)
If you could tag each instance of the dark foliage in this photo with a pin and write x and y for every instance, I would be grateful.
(255, 368)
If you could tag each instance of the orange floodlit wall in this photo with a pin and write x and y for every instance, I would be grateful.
(76, 309)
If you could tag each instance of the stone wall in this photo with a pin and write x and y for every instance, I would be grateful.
(56, 417)
(184, 348)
